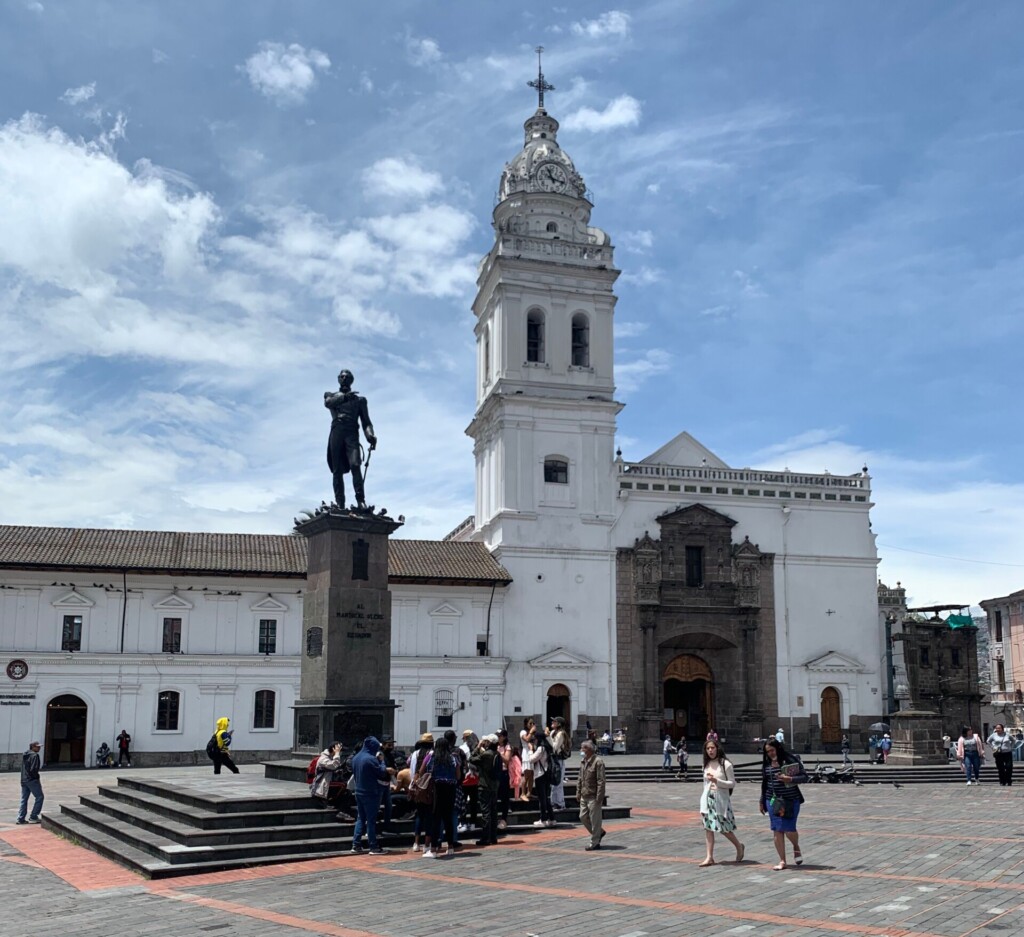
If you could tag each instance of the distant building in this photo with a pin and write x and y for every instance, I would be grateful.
(1005, 624)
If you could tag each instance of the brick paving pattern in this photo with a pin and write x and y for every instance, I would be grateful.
(923, 860)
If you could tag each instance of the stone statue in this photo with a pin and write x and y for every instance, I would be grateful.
(344, 452)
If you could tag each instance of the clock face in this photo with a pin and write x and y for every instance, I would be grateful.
(553, 178)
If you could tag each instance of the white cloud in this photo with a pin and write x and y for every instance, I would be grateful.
(285, 74)
(422, 51)
(645, 276)
(365, 83)
(394, 177)
(612, 23)
(654, 188)
(623, 111)
(629, 329)
(79, 95)
(637, 242)
(629, 375)
(159, 57)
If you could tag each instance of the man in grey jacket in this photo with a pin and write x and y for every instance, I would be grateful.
(590, 791)
(30, 784)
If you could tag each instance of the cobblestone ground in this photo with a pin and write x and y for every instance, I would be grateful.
(922, 860)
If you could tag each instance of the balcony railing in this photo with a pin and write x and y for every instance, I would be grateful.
(743, 476)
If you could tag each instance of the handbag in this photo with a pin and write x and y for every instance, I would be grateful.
(421, 788)
(780, 807)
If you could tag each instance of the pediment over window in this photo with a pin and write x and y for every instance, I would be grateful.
(173, 602)
(696, 515)
(834, 662)
(444, 610)
(73, 599)
(747, 549)
(560, 659)
(269, 604)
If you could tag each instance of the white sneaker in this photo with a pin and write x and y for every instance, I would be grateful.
(463, 828)
(429, 854)
(968, 783)
(551, 823)
(417, 847)
(539, 823)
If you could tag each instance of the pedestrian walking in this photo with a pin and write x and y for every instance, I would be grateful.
(682, 758)
(844, 747)
(1002, 750)
(780, 736)
(667, 749)
(782, 773)
(30, 784)
(716, 802)
(970, 749)
(590, 790)
(124, 751)
(369, 775)
(885, 746)
(219, 747)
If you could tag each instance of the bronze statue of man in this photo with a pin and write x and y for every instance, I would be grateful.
(344, 453)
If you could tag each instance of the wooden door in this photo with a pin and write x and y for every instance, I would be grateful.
(831, 716)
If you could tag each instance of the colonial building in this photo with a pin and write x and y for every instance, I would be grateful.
(672, 594)
(1005, 619)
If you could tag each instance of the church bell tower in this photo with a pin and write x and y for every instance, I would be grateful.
(544, 427)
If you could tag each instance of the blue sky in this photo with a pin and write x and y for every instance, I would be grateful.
(816, 209)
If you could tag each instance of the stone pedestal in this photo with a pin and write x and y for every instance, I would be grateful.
(346, 642)
(916, 738)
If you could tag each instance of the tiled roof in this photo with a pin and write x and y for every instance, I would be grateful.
(228, 554)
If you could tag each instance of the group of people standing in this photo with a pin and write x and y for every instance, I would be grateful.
(970, 752)
(455, 787)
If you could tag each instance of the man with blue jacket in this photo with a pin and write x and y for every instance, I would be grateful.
(370, 776)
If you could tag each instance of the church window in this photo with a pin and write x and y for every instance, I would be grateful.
(168, 704)
(535, 336)
(263, 709)
(999, 625)
(444, 708)
(71, 637)
(580, 341)
(954, 656)
(925, 657)
(556, 471)
(172, 636)
(552, 227)
(487, 357)
(268, 635)
(694, 567)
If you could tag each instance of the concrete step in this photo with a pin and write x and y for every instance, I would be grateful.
(213, 801)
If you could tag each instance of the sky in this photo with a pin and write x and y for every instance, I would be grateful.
(207, 209)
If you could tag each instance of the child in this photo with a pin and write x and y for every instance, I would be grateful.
(681, 758)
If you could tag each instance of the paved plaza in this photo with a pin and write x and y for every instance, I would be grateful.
(924, 859)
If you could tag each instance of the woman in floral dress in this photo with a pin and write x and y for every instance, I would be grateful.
(716, 801)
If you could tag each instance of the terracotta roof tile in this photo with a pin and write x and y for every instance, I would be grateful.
(229, 554)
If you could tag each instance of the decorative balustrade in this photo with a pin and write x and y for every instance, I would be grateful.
(552, 247)
(742, 476)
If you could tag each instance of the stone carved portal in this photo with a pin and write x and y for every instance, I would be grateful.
(695, 611)
(689, 695)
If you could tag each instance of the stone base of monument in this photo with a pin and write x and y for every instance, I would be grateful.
(318, 723)
(173, 826)
(916, 738)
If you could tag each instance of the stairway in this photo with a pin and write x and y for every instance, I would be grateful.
(170, 827)
(750, 771)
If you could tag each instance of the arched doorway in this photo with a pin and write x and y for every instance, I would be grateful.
(559, 704)
(689, 697)
(831, 716)
(66, 720)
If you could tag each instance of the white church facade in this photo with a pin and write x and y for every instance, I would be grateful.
(673, 594)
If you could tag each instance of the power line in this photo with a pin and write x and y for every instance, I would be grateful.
(958, 559)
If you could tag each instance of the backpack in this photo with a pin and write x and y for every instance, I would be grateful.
(421, 787)
(311, 770)
(212, 747)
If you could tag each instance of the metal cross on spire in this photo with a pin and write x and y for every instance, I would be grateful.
(540, 83)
